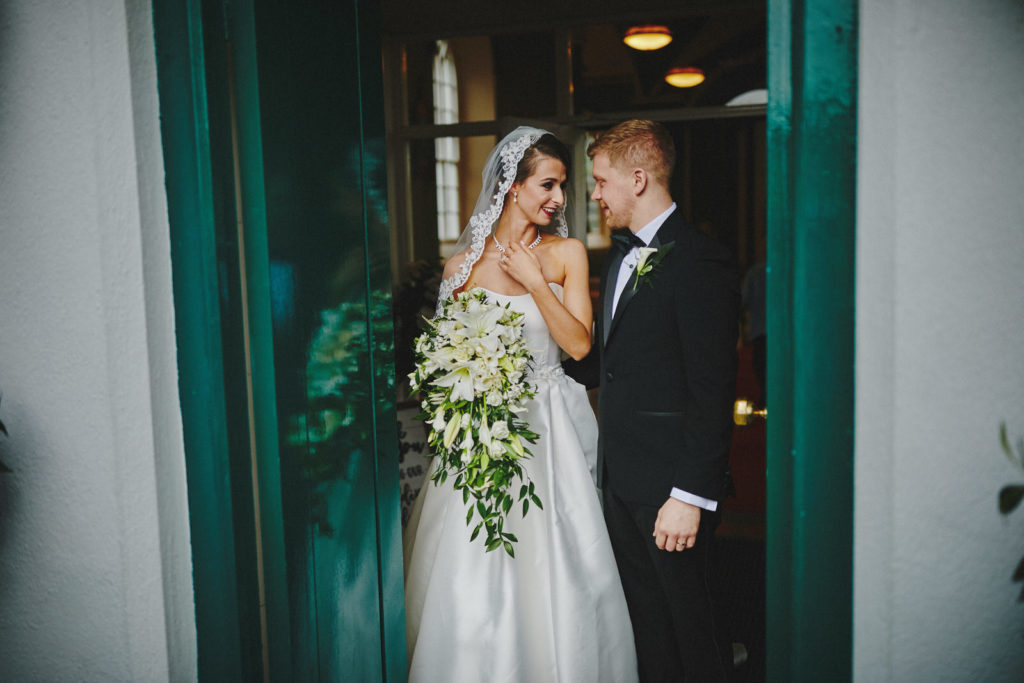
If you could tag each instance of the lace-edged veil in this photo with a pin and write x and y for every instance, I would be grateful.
(498, 176)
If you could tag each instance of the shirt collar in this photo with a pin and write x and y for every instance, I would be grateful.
(648, 232)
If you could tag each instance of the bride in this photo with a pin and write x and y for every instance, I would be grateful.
(556, 611)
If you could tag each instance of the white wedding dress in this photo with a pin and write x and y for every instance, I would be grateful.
(556, 611)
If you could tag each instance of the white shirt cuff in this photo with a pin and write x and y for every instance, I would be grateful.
(705, 503)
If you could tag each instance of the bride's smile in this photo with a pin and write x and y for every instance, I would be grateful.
(541, 196)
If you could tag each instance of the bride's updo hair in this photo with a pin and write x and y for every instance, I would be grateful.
(546, 145)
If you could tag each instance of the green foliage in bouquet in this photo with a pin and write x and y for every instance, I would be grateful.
(471, 365)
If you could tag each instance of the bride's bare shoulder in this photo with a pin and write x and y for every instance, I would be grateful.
(568, 248)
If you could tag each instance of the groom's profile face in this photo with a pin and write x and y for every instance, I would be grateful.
(613, 192)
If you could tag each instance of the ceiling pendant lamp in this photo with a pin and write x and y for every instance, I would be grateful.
(647, 37)
(684, 77)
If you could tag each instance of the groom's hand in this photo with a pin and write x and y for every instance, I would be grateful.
(676, 526)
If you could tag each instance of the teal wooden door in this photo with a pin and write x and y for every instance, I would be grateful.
(283, 280)
(812, 153)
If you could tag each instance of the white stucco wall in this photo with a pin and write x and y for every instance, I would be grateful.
(940, 327)
(95, 575)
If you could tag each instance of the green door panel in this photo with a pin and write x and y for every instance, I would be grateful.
(274, 145)
(812, 141)
(192, 203)
(329, 283)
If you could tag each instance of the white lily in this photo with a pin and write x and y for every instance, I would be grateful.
(478, 319)
(467, 449)
(484, 435)
(645, 253)
(461, 380)
(452, 430)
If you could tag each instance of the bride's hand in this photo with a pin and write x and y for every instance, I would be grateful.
(522, 265)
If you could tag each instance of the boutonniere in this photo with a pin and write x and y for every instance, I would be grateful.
(649, 262)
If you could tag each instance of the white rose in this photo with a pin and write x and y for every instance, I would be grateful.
(499, 430)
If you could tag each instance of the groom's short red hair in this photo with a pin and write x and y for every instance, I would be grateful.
(638, 143)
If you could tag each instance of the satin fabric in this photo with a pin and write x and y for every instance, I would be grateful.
(556, 611)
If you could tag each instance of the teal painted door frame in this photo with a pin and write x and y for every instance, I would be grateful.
(811, 175)
(185, 123)
(812, 126)
(272, 120)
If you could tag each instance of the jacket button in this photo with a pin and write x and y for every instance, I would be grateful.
(609, 376)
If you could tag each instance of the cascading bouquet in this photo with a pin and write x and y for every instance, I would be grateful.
(471, 365)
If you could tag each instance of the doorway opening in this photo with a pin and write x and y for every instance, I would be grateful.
(573, 74)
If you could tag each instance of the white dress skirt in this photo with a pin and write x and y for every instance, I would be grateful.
(555, 612)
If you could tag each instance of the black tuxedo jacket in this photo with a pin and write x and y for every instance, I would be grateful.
(667, 363)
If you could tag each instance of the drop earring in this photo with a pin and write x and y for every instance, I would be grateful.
(515, 197)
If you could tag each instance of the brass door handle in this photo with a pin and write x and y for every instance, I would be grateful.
(743, 412)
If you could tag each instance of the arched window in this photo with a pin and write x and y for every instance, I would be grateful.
(446, 150)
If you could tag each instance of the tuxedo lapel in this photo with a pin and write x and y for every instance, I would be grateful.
(624, 299)
(610, 276)
(656, 241)
(628, 291)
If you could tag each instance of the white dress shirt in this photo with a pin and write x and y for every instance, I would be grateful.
(629, 261)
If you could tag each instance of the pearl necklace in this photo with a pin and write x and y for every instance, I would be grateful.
(501, 249)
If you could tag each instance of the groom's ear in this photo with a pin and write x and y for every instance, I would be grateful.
(639, 181)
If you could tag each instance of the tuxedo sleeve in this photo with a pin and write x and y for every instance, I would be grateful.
(587, 370)
(707, 316)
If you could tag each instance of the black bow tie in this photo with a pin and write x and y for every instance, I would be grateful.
(625, 239)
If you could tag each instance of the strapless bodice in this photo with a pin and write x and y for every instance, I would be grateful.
(543, 348)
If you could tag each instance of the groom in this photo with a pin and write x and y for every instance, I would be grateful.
(667, 338)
